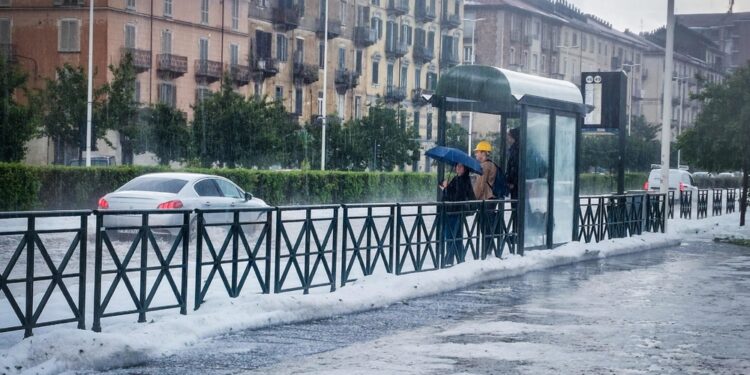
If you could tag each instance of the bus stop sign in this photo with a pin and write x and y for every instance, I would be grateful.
(605, 94)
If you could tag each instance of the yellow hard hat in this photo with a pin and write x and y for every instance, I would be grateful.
(483, 146)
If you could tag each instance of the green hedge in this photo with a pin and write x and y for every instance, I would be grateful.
(25, 187)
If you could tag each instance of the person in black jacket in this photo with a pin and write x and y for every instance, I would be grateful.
(511, 171)
(459, 189)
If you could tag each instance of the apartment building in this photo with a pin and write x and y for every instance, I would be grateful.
(730, 31)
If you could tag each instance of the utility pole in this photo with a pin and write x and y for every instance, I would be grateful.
(473, 61)
(666, 118)
(631, 76)
(325, 91)
(90, 103)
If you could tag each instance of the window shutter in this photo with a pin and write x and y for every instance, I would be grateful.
(4, 3)
(5, 30)
(129, 36)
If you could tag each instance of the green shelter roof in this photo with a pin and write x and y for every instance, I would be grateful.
(488, 89)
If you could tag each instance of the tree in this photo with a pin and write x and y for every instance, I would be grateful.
(63, 103)
(230, 130)
(719, 139)
(119, 109)
(456, 136)
(16, 120)
(642, 148)
(166, 133)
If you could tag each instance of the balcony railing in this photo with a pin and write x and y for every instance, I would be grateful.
(423, 54)
(450, 21)
(173, 64)
(398, 7)
(287, 17)
(365, 36)
(396, 49)
(395, 94)
(417, 97)
(208, 70)
(305, 73)
(266, 67)
(334, 28)
(240, 74)
(141, 58)
(346, 79)
(449, 60)
(425, 14)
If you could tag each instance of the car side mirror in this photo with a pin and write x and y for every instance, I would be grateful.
(248, 196)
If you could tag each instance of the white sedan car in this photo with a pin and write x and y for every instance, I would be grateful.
(167, 191)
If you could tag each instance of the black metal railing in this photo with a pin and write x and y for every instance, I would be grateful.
(686, 204)
(656, 210)
(702, 207)
(670, 204)
(592, 219)
(731, 199)
(368, 239)
(499, 227)
(461, 231)
(141, 246)
(311, 239)
(718, 196)
(246, 243)
(418, 237)
(27, 310)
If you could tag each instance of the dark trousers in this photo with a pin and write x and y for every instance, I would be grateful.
(452, 236)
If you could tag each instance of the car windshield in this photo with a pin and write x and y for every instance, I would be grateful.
(155, 184)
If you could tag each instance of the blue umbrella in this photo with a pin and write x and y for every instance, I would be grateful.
(453, 156)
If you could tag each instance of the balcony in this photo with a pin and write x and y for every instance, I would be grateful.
(208, 71)
(416, 96)
(398, 7)
(305, 73)
(141, 58)
(365, 36)
(451, 21)
(394, 94)
(240, 74)
(334, 28)
(425, 14)
(8, 52)
(423, 54)
(171, 64)
(345, 80)
(287, 18)
(397, 49)
(266, 67)
(449, 60)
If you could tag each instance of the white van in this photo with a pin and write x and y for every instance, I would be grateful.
(678, 179)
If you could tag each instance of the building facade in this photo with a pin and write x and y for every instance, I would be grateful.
(729, 31)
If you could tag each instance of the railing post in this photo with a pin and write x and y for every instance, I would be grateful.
(235, 232)
(369, 222)
(344, 237)
(442, 251)
(335, 224)
(98, 274)
(143, 236)
(185, 246)
(398, 224)
(82, 272)
(269, 236)
(30, 236)
(306, 228)
(277, 254)
(198, 259)
(391, 238)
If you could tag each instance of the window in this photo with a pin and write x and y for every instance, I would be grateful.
(375, 71)
(167, 8)
(537, 29)
(204, 11)
(321, 55)
(467, 55)
(202, 93)
(342, 58)
(234, 54)
(377, 24)
(228, 189)
(320, 103)
(340, 102)
(357, 109)
(553, 65)
(389, 74)
(417, 77)
(543, 66)
(428, 131)
(279, 93)
(166, 41)
(207, 188)
(600, 47)
(512, 60)
(203, 49)
(575, 39)
(406, 34)
(167, 94)
(376, 2)
(69, 36)
(402, 78)
(358, 61)
(5, 31)
(263, 44)
(137, 92)
(525, 60)
(235, 14)
(129, 36)
(130, 5)
(534, 62)
(298, 101)
(591, 45)
(281, 47)
(342, 12)
(583, 42)
(431, 81)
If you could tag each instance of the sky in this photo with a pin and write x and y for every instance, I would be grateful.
(646, 15)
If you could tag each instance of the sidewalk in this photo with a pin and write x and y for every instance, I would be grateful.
(56, 349)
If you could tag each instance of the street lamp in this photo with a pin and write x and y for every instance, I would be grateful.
(680, 86)
(630, 97)
(473, 60)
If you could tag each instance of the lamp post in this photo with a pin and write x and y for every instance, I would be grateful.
(630, 97)
(680, 86)
(325, 91)
(89, 103)
(473, 60)
(666, 119)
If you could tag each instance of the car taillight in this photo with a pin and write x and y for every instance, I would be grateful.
(170, 205)
(682, 186)
(645, 185)
(103, 203)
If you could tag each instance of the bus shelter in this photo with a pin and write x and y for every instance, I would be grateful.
(551, 114)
